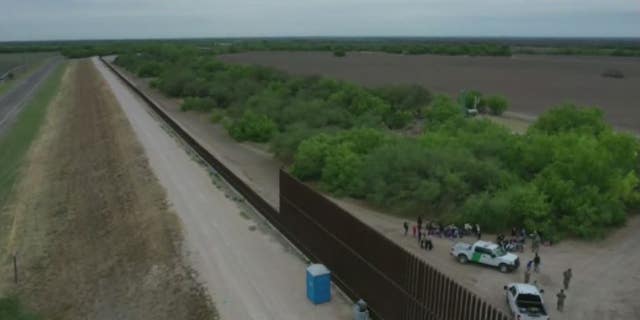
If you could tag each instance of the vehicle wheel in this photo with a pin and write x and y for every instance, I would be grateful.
(462, 259)
(503, 268)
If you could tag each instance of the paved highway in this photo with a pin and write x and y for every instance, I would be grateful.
(12, 101)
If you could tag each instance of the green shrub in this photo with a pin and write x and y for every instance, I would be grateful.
(285, 143)
(253, 127)
(310, 158)
(150, 69)
(173, 82)
(520, 205)
(568, 117)
(409, 99)
(468, 99)
(216, 116)
(441, 110)
(497, 104)
(339, 53)
(341, 173)
(199, 104)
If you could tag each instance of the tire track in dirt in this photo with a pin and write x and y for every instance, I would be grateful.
(93, 232)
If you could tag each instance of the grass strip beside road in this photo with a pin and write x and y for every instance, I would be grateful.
(6, 85)
(17, 140)
(11, 308)
(32, 65)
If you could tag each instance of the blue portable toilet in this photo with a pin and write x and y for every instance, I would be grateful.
(318, 283)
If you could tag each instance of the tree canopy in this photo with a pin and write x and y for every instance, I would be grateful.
(570, 174)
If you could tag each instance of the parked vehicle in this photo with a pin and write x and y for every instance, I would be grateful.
(486, 253)
(525, 302)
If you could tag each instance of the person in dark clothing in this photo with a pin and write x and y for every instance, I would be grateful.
(535, 242)
(536, 263)
(561, 296)
(419, 222)
(567, 278)
(513, 232)
(406, 228)
(428, 244)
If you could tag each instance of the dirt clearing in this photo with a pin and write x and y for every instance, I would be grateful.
(90, 223)
(532, 84)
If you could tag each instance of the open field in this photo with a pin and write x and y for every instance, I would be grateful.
(603, 287)
(532, 84)
(88, 221)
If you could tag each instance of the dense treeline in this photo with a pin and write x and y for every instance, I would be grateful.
(431, 46)
(569, 175)
(615, 51)
(341, 46)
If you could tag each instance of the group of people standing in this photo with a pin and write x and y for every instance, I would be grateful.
(423, 231)
(535, 265)
(422, 234)
(426, 229)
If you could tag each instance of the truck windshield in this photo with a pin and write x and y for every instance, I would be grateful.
(500, 252)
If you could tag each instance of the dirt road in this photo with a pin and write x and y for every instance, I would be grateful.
(89, 222)
(12, 101)
(251, 273)
(606, 279)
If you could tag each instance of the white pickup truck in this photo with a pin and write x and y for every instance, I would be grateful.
(525, 302)
(487, 253)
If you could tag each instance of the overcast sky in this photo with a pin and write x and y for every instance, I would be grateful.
(116, 19)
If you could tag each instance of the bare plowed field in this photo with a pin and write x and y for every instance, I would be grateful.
(532, 83)
(90, 223)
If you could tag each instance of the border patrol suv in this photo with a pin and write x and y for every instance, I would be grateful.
(525, 302)
(486, 253)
